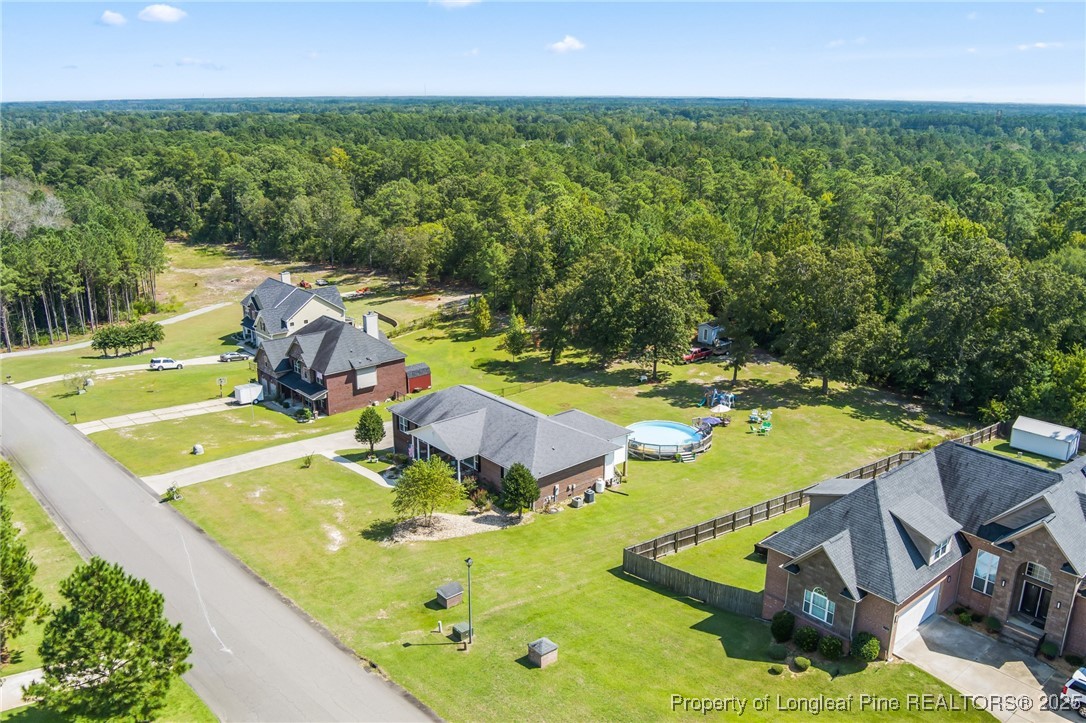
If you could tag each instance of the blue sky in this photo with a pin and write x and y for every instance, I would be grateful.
(993, 52)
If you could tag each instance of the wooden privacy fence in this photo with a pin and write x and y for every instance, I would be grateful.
(724, 597)
(992, 431)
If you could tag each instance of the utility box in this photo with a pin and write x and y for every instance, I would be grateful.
(461, 632)
(542, 652)
(450, 595)
(248, 393)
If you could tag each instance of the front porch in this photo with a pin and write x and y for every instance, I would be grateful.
(295, 392)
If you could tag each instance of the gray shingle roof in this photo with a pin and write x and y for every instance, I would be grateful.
(837, 486)
(956, 486)
(418, 369)
(543, 646)
(277, 302)
(450, 589)
(330, 346)
(508, 432)
(584, 422)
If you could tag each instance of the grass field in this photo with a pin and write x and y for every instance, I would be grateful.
(625, 647)
(56, 559)
(730, 559)
(128, 392)
(1001, 446)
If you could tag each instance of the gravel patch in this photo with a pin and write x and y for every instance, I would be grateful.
(336, 538)
(446, 526)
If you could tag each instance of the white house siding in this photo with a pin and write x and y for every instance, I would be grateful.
(314, 309)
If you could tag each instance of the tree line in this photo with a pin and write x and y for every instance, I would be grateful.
(937, 249)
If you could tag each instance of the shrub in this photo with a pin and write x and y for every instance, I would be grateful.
(831, 647)
(965, 618)
(307, 461)
(782, 626)
(1075, 661)
(866, 646)
(993, 624)
(1049, 649)
(775, 670)
(777, 651)
(802, 663)
(976, 617)
(807, 639)
(958, 610)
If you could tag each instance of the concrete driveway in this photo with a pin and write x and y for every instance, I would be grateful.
(985, 668)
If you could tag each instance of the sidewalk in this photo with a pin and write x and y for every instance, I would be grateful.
(158, 415)
(198, 361)
(86, 344)
(11, 690)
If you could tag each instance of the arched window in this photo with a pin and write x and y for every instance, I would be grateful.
(818, 606)
(1039, 572)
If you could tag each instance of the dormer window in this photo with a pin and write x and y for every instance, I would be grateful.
(939, 550)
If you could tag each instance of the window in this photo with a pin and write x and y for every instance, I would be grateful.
(941, 549)
(818, 606)
(1039, 572)
(984, 574)
(402, 423)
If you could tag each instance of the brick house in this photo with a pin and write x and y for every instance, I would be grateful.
(276, 309)
(956, 525)
(483, 435)
(332, 367)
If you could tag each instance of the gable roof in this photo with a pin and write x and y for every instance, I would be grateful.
(590, 424)
(473, 422)
(1045, 429)
(277, 301)
(951, 488)
(331, 346)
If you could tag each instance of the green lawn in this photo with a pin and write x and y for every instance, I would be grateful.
(1001, 446)
(128, 392)
(56, 559)
(203, 335)
(625, 646)
(164, 446)
(358, 456)
(401, 307)
(730, 559)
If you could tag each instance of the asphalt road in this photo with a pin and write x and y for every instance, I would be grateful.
(255, 657)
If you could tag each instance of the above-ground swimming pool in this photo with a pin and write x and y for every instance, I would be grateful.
(660, 439)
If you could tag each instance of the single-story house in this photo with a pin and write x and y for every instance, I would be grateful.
(276, 309)
(483, 435)
(1045, 438)
(956, 525)
(709, 332)
(330, 366)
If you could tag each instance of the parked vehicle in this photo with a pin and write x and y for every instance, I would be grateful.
(305, 284)
(697, 355)
(163, 362)
(322, 282)
(239, 355)
(1073, 694)
(722, 347)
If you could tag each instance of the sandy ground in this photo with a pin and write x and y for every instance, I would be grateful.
(446, 526)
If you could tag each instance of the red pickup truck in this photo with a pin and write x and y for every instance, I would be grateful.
(697, 355)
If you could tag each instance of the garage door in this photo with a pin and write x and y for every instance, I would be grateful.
(909, 619)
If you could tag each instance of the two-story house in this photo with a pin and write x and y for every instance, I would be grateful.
(956, 525)
(330, 366)
(277, 309)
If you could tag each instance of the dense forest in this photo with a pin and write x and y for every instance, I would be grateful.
(936, 249)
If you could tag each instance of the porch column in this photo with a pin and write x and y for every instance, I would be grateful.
(458, 470)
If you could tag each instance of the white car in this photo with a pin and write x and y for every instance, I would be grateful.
(1073, 694)
(162, 362)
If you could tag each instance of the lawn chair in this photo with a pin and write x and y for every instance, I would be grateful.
(755, 429)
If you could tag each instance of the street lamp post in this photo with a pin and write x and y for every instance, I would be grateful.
(471, 625)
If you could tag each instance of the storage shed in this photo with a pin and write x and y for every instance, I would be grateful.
(542, 652)
(418, 377)
(708, 332)
(450, 594)
(1045, 438)
(248, 393)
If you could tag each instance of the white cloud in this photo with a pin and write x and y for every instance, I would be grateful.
(971, 16)
(566, 45)
(1039, 11)
(111, 18)
(198, 63)
(161, 14)
(473, 53)
(835, 43)
(313, 55)
(69, 67)
(971, 50)
(1039, 46)
(454, 4)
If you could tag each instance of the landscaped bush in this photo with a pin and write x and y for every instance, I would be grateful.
(777, 651)
(802, 663)
(958, 610)
(831, 647)
(807, 639)
(1049, 649)
(866, 646)
(965, 618)
(993, 624)
(976, 617)
(782, 625)
(775, 670)
(1075, 661)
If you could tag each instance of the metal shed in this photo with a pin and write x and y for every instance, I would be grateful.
(1045, 438)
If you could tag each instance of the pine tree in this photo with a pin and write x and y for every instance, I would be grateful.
(520, 489)
(370, 428)
(480, 316)
(517, 339)
(20, 600)
(109, 651)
